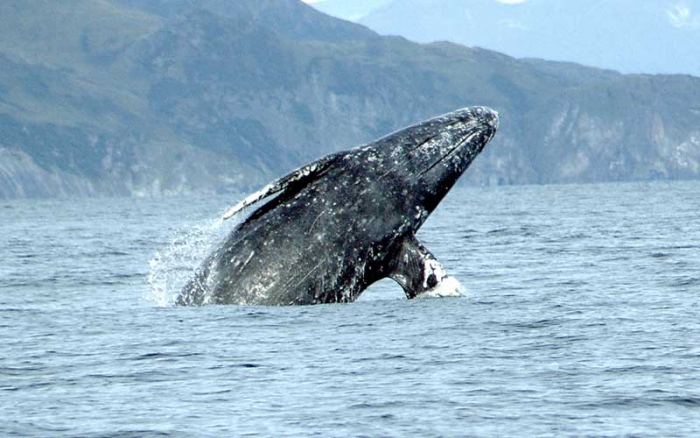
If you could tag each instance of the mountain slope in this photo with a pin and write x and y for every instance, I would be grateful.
(210, 100)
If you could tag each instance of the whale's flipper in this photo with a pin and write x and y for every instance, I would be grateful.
(292, 181)
(420, 274)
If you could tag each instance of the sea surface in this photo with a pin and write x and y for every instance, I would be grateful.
(582, 318)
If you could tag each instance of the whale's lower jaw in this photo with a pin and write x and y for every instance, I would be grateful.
(448, 287)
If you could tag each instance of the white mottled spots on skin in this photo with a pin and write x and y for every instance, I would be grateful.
(419, 212)
(252, 253)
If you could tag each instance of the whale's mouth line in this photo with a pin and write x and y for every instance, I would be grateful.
(451, 152)
(434, 136)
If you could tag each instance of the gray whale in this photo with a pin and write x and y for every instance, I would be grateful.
(332, 228)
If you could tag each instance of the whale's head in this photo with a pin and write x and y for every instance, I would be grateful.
(430, 157)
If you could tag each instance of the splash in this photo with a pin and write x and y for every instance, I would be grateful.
(174, 265)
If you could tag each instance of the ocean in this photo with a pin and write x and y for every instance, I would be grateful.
(581, 318)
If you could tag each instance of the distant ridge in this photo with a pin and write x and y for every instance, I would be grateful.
(626, 35)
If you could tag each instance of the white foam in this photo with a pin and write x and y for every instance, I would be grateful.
(448, 287)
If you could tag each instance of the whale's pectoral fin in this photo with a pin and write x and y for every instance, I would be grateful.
(290, 182)
(420, 274)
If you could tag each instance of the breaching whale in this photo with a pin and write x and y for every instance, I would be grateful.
(333, 227)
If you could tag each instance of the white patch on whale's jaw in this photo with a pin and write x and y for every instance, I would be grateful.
(448, 287)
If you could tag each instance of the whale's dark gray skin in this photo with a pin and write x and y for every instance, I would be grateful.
(347, 220)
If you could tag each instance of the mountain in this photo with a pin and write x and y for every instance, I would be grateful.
(660, 36)
(137, 97)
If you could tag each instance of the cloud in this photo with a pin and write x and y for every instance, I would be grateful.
(511, 2)
(680, 16)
